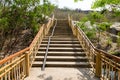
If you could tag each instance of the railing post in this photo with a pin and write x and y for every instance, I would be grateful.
(98, 65)
(27, 63)
(44, 27)
(75, 31)
(119, 75)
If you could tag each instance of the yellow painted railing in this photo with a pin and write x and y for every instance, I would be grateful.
(17, 66)
(105, 66)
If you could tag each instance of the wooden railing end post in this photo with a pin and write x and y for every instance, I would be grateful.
(98, 65)
(119, 74)
(27, 63)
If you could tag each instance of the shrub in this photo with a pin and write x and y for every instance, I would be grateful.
(104, 26)
(118, 40)
(84, 19)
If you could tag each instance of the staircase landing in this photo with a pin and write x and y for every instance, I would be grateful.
(61, 74)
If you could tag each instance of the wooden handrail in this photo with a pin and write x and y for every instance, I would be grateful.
(90, 43)
(34, 40)
(13, 55)
(102, 62)
(24, 58)
(117, 59)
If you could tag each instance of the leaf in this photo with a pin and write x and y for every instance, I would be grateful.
(77, 0)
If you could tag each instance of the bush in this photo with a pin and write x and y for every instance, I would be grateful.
(91, 34)
(84, 19)
(104, 26)
(118, 40)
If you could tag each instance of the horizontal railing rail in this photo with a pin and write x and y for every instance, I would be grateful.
(105, 65)
(13, 67)
(34, 46)
(17, 65)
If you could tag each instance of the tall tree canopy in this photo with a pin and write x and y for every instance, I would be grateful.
(113, 4)
(104, 3)
(21, 14)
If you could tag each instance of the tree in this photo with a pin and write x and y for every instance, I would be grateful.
(103, 3)
(113, 4)
(118, 40)
(17, 15)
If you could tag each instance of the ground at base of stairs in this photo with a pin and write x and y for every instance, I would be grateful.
(61, 74)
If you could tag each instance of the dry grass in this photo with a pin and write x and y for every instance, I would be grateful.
(63, 14)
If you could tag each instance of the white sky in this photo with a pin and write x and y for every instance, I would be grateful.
(84, 5)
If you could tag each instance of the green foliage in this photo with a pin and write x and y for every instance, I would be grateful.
(103, 3)
(91, 33)
(81, 24)
(116, 13)
(3, 23)
(109, 41)
(18, 15)
(118, 40)
(22, 13)
(84, 19)
(104, 26)
(77, 0)
(96, 17)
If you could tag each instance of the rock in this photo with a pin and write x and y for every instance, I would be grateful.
(114, 37)
(116, 25)
(94, 26)
(113, 31)
(88, 25)
(117, 53)
(115, 28)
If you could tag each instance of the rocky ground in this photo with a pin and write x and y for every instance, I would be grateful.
(61, 74)
(105, 40)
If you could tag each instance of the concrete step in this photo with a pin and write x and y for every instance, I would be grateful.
(63, 28)
(62, 64)
(66, 26)
(50, 53)
(62, 21)
(61, 49)
(61, 42)
(60, 39)
(62, 45)
(58, 27)
(63, 58)
(64, 51)
(61, 36)
(63, 31)
(62, 24)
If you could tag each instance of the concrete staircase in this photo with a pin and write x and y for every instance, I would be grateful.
(64, 51)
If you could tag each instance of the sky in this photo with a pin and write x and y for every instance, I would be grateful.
(83, 5)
